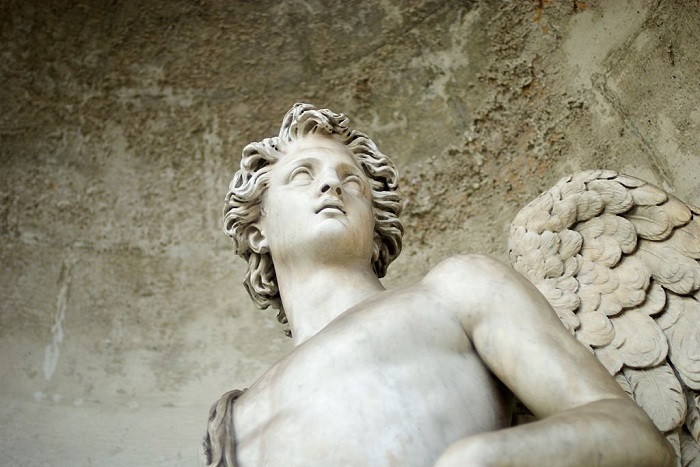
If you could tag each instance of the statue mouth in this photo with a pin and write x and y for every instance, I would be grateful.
(331, 205)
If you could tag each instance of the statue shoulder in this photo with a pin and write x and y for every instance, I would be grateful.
(465, 280)
(479, 288)
(463, 270)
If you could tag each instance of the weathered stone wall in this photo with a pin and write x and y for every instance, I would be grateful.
(122, 316)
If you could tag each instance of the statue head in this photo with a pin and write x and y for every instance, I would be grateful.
(242, 208)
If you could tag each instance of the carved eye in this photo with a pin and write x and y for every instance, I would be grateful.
(300, 175)
(353, 183)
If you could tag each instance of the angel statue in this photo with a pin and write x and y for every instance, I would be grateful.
(427, 374)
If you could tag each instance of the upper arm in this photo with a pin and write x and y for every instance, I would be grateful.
(520, 338)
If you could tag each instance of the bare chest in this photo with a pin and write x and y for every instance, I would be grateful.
(392, 383)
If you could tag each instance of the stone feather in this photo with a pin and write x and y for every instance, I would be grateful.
(619, 260)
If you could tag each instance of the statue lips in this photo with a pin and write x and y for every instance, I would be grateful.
(332, 204)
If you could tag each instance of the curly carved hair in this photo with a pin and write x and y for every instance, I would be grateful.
(243, 200)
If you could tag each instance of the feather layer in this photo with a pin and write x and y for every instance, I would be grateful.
(660, 394)
(619, 260)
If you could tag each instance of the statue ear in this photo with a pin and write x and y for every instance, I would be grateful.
(256, 240)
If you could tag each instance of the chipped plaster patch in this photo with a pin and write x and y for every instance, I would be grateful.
(53, 349)
(593, 34)
(444, 63)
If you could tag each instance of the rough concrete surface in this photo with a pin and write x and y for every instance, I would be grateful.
(122, 315)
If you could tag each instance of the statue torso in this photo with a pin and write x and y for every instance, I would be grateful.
(392, 381)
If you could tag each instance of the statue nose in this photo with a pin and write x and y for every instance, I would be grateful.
(330, 183)
(331, 186)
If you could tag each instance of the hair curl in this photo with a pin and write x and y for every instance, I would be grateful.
(242, 208)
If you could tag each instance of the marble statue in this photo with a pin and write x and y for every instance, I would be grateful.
(426, 374)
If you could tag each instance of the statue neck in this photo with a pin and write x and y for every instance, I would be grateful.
(313, 297)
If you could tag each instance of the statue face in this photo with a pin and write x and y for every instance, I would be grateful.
(318, 204)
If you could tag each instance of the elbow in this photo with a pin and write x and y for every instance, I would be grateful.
(659, 450)
(667, 454)
(630, 429)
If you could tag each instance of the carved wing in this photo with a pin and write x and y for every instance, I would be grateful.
(619, 260)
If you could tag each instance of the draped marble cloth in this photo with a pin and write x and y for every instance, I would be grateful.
(220, 441)
(619, 260)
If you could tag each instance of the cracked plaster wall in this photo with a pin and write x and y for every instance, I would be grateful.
(122, 316)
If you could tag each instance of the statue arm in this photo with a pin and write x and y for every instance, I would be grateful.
(606, 432)
(584, 416)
